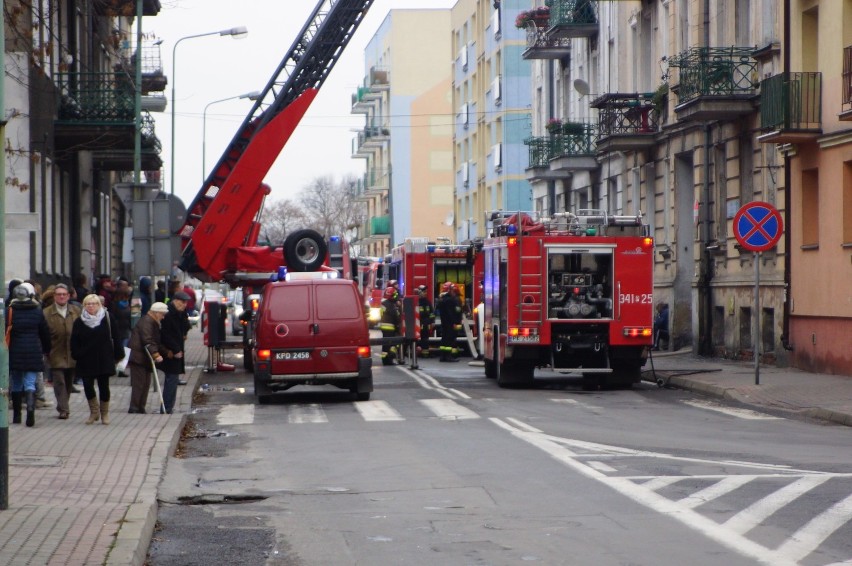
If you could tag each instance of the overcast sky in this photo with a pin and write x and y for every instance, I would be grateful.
(214, 67)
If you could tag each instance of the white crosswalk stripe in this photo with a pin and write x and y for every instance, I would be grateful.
(449, 410)
(312, 413)
(378, 411)
(756, 513)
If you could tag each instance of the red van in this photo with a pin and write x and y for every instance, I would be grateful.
(311, 330)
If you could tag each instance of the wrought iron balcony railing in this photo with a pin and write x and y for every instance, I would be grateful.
(573, 139)
(791, 102)
(572, 12)
(95, 98)
(847, 79)
(715, 71)
(626, 114)
(542, 45)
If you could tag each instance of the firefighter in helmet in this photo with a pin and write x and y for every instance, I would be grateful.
(389, 324)
(450, 310)
(427, 319)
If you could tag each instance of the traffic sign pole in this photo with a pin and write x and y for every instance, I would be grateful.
(757, 318)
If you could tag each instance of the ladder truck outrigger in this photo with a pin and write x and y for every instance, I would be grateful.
(223, 222)
(570, 292)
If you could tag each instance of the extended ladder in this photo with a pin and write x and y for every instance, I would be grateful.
(225, 213)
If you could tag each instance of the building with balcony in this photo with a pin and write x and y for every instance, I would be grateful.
(69, 131)
(805, 120)
(405, 100)
(491, 103)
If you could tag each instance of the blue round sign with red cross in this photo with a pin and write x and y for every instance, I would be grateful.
(758, 226)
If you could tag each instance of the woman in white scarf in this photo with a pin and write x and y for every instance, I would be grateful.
(96, 347)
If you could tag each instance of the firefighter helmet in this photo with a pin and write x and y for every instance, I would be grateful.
(448, 286)
(422, 289)
(390, 293)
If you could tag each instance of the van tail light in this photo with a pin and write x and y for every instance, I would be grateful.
(637, 332)
(363, 351)
(264, 355)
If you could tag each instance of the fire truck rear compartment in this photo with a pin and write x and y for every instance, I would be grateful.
(575, 346)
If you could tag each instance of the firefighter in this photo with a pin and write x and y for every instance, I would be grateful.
(450, 310)
(389, 325)
(427, 319)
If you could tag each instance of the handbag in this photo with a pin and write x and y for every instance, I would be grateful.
(9, 328)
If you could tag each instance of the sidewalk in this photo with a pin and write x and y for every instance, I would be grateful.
(819, 396)
(83, 494)
(87, 494)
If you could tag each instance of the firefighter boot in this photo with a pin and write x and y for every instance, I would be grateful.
(94, 413)
(16, 406)
(31, 399)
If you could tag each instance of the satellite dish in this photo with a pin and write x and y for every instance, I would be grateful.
(581, 86)
(449, 219)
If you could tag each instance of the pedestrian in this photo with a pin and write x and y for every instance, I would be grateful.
(427, 319)
(29, 343)
(661, 325)
(41, 401)
(145, 294)
(173, 332)
(105, 288)
(450, 312)
(60, 317)
(160, 292)
(144, 345)
(389, 325)
(190, 304)
(96, 347)
(81, 287)
(12, 284)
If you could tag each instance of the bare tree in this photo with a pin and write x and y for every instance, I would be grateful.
(279, 218)
(331, 208)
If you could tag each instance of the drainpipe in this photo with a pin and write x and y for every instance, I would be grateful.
(551, 184)
(788, 201)
(4, 353)
(705, 346)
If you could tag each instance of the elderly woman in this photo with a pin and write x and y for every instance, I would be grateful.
(29, 342)
(96, 347)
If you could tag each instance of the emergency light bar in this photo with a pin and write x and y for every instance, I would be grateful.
(309, 275)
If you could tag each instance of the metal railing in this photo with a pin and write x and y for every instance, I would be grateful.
(573, 12)
(626, 114)
(95, 98)
(538, 38)
(847, 78)
(566, 143)
(791, 101)
(715, 71)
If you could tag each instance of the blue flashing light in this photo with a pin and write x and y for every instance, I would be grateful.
(282, 273)
(335, 238)
(512, 230)
(430, 249)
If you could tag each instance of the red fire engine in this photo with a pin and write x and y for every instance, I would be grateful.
(569, 292)
(418, 261)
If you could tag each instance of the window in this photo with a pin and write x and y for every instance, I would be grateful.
(289, 304)
(336, 302)
(810, 207)
(847, 202)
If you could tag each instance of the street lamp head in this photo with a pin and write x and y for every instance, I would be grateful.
(253, 95)
(238, 32)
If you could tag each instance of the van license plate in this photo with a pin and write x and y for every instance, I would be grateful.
(299, 355)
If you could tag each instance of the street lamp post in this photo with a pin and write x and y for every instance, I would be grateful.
(253, 95)
(237, 33)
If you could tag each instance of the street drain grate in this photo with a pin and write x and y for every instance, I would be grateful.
(219, 499)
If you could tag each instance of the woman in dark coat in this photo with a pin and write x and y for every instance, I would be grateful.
(173, 332)
(96, 347)
(29, 343)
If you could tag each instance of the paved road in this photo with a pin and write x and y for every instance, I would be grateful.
(441, 466)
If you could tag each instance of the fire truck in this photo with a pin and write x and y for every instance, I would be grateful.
(571, 292)
(418, 261)
(223, 222)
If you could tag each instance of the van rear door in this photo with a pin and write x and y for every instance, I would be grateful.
(290, 319)
(340, 327)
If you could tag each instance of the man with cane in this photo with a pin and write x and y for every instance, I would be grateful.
(145, 351)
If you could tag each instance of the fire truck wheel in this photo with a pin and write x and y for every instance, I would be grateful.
(490, 369)
(304, 250)
(513, 374)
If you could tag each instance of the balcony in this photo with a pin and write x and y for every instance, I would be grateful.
(542, 45)
(846, 85)
(379, 227)
(626, 122)
(361, 103)
(376, 182)
(715, 83)
(115, 8)
(116, 159)
(791, 108)
(379, 78)
(153, 79)
(370, 140)
(573, 18)
(540, 149)
(569, 147)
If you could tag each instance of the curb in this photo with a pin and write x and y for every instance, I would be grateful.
(137, 527)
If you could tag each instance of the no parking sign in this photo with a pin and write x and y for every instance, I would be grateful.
(758, 226)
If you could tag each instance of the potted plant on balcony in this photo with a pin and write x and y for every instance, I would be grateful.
(554, 126)
(660, 99)
(539, 16)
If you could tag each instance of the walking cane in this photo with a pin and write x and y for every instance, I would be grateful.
(156, 381)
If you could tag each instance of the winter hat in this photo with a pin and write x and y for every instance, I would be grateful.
(159, 307)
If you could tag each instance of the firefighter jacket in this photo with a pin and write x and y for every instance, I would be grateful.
(427, 314)
(449, 309)
(390, 316)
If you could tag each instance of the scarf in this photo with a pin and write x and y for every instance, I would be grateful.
(93, 320)
(63, 311)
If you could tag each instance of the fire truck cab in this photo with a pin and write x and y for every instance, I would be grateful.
(572, 292)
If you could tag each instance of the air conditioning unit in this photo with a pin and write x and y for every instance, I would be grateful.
(465, 114)
(495, 23)
(497, 156)
(465, 173)
(497, 89)
(463, 58)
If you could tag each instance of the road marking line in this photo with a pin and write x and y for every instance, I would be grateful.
(522, 424)
(652, 500)
(760, 510)
(235, 415)
(426, 381)
(577, 404)
(661, 482)
(311, 413)
(601, 467)
(378, 411)
(714, 491)
(746, 414)
(808, 538)
(448, 410)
